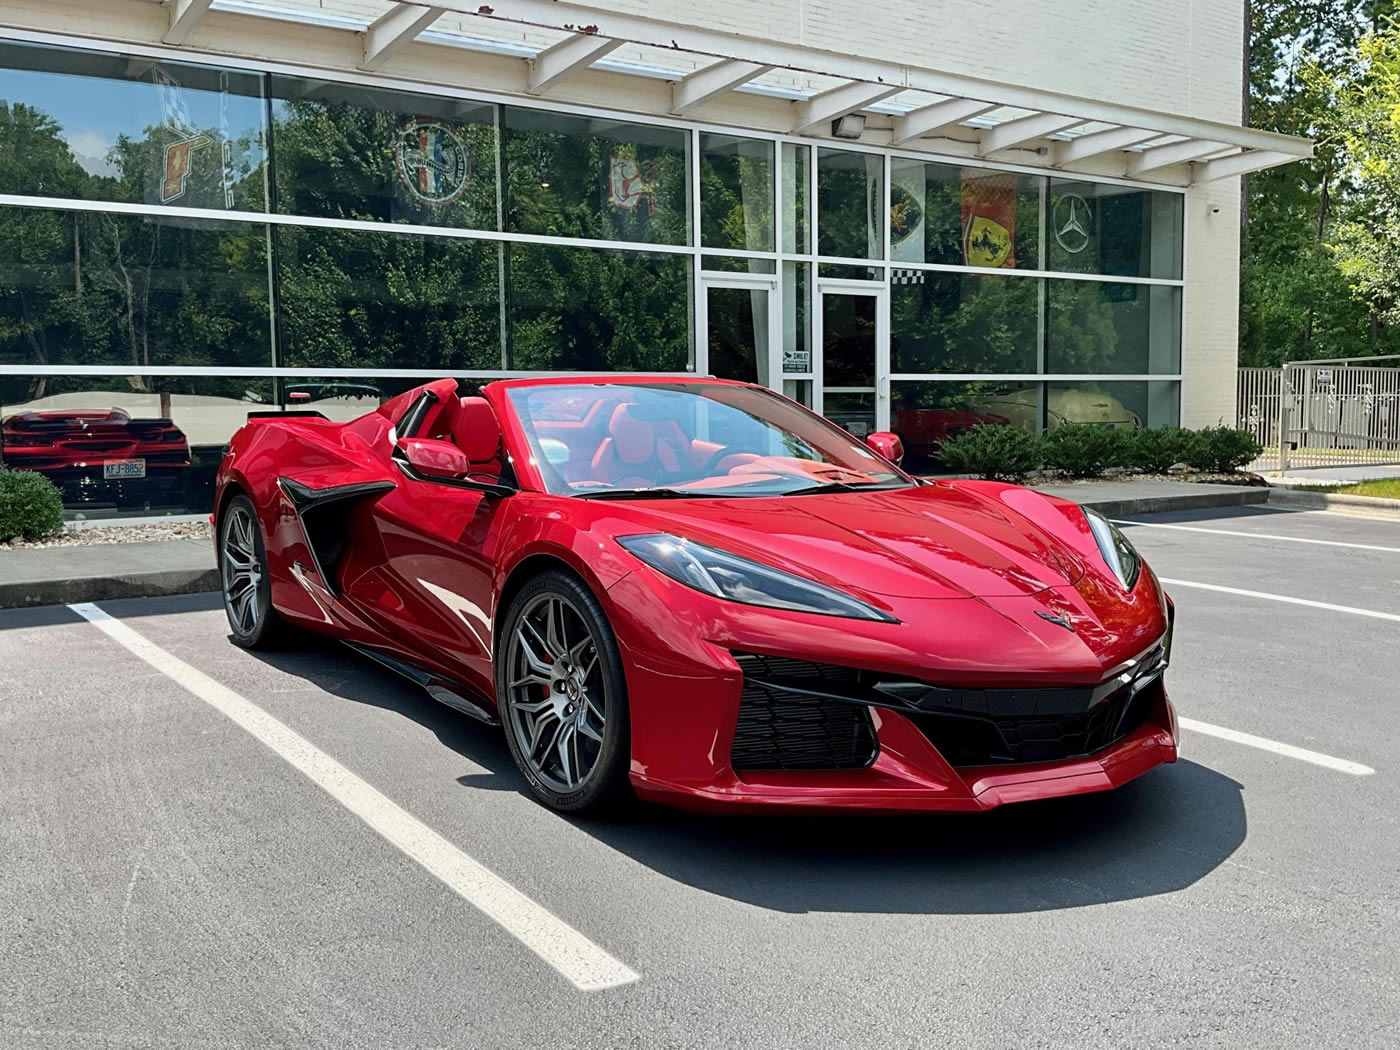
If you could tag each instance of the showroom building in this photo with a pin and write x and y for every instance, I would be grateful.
(907, 217)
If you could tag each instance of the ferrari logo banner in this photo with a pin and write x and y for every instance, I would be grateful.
(989, 218)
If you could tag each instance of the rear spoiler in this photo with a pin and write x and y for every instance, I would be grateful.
(291, 413)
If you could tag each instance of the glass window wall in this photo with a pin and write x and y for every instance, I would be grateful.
(92, 126)
(353, 299)
(960, 322)
(964, 216)
(96, 288)
(597, 309)
(736, 193)
(348, 152)
(595, 178)
(850, 204)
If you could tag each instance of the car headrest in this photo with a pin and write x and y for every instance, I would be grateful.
(475, 429)
(633, 439)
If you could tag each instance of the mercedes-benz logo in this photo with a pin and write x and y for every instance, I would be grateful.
(1072, 223)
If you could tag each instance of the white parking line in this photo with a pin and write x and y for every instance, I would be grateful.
(1258, 536)
(585, 964)
(1317, 758)
(1289, 599)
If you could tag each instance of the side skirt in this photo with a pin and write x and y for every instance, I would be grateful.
(439, 688)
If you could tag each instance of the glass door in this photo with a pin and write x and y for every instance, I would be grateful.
(738, 328)
(853, 371)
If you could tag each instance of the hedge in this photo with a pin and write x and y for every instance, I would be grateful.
(31, 507)
(1084, 450)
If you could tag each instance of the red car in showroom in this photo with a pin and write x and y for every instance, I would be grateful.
(700, 591)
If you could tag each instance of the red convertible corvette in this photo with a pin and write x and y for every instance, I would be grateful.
(700, 591)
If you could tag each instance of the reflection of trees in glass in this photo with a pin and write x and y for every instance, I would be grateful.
(101, 289)
(578, 177)
(351, 299)
(216, 114)
(736, 193)
(964, 323)
(341, 160)
(590, 308)
(849, 204)
(89, 288)
(1093, 327)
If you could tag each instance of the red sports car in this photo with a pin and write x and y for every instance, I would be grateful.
(93, 453)
(700, 591)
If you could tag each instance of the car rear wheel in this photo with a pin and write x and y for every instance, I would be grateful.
(563, 697)
(252, 620)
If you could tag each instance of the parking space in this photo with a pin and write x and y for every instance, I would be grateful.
(181, 870)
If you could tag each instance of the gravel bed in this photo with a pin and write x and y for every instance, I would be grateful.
(96, 535)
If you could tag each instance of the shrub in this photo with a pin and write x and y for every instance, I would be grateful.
(1085, 450)
(996, 451)
(1222, 449)
(1158, 450)
(31, 507)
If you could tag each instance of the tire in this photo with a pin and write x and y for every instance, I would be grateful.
(558, 674)
(253, 622)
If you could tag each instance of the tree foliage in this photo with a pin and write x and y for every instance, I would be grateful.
(1314, 241)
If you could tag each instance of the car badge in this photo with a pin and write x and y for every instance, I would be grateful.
(1061, 620)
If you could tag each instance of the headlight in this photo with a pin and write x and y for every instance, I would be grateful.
(739, 580)
(1117, 552)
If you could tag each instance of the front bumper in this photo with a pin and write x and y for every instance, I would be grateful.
(919, 780)
(687, 692)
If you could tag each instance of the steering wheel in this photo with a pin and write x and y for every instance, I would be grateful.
(728, 450)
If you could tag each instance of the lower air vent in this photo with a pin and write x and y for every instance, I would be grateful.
(780, 727)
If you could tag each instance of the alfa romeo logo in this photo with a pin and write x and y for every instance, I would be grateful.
(1072, 223)
(433, 162)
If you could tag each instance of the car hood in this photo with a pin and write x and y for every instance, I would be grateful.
(920, 542)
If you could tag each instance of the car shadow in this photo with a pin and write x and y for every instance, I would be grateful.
(55, 615)
(1156, 835)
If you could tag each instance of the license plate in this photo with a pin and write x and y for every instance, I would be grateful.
(123, 468)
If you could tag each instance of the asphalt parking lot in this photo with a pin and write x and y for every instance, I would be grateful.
(175, 873)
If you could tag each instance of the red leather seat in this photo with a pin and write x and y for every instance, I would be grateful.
(631, 454)
(471, 422)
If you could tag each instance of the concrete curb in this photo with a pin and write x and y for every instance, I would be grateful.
(1229, 497)
(26, 593)
(1367, 506)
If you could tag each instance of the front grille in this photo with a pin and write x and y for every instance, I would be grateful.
(796, 714)
(779, 728)
(1013, 739)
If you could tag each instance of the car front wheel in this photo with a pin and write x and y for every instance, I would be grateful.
(563, 697)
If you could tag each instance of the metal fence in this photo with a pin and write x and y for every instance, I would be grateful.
(1322, 414)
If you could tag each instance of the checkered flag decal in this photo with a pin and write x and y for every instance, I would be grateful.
(906, 276)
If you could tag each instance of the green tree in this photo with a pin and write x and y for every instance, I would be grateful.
(1295, 300)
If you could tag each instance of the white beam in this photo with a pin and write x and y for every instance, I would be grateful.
(929, 119)
(1017, 132)
(396, 27)
(556, 64)
(1177, 153)
(183, 16)
(848, 98)
(1098, 142)
(711, 82)
(696, 38)
(1238, 164)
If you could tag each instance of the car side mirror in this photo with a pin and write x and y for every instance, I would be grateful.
(887, 444)
(433, 458)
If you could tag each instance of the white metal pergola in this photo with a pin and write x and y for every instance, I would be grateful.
(703, 65)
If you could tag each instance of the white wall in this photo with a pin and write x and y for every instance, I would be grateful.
(1210, 326)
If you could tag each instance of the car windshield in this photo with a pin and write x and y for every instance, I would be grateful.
(688, 439)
